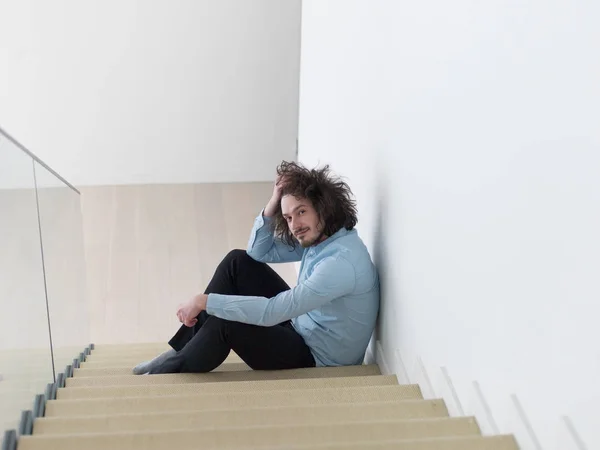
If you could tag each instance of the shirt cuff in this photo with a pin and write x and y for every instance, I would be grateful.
(215, 304)
(259, 222)
(264, 219)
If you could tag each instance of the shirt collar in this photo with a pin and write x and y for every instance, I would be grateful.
(338, 234)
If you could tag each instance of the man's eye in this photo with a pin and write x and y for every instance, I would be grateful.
(302, 212)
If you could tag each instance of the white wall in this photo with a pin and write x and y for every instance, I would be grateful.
(125, 92)
(469, 132)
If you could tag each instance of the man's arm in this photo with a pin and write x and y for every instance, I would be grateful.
(264, 247)
(332, 278)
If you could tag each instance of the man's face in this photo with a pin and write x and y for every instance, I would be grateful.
(302, 220)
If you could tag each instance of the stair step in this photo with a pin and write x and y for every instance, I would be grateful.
(125, 405)
(132, 360)
(239, 437)
(503, 442)
(234, 386)
(250, 375)
(127, 370)
(280, 415)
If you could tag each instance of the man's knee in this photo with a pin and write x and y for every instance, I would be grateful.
(235, 254)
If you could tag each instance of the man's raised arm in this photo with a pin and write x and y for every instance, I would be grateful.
(262, 245)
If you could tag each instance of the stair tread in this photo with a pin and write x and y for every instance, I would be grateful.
(445, 443)
(269, 435)
(177, 378)
(468, 423)
(233, 386)
(127, 370)
(226, 400)
(141, 354)
(501, 442)
(133, 359)
(278, 415)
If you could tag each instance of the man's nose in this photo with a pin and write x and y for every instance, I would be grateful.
(295, 225)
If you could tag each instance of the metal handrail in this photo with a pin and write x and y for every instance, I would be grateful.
(36, 159)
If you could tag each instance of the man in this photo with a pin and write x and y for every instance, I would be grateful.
(326, 320)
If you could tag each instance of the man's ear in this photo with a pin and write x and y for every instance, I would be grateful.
(321, 222)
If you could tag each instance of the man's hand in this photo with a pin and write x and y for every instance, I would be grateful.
(188, 312)
(273, 205)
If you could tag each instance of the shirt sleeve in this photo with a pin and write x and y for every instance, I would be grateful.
(332, 278)
(264, 247)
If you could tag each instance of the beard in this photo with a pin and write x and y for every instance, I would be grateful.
(307, 242)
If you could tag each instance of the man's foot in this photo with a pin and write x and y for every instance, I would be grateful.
(147, 366)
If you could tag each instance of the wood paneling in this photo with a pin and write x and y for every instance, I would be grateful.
(151, 247)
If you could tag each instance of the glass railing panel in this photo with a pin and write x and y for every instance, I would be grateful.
(64, 263)
(25, 354)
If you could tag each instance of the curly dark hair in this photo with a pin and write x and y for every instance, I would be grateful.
(330, 196)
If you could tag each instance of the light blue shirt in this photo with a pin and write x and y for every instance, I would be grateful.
(333, 307)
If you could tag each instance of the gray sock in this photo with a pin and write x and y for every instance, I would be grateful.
(147, 366)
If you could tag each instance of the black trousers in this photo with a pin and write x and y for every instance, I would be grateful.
(205, 346)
